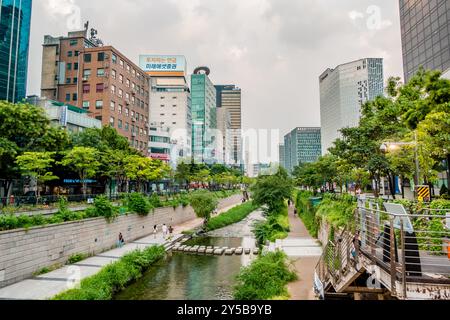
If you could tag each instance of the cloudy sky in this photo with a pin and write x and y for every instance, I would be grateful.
(274, 50)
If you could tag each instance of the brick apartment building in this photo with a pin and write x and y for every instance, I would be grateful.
(82, 72)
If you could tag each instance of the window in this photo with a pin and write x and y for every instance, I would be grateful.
(111, 121)
(75, 80)
(128, 67)
(100, 72)
(86, 88)
(119, 124)
(69, 66)
(128, 83)
(162, 106)
(74, 97)
(68, 80)
(113, 89)
(120, 93)
(113, 74)
(75, 66)
(87, 58)
(101, 56)
(99, 104)
(133, 72)
(86, 104)
(121, 63)
(73, 42)
(132, 113)
(114, 58)
(174, 123)
(67, 96)
(127, 112)
(99, 118)
(99, 87)
(69, 53)
(127, 96)
(119, 110)
(127, 126)
(113, 106)
(142, 117)
(86, 73)
(121, 78)
(77, 53)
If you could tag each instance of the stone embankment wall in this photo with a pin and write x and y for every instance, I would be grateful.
(23, 252)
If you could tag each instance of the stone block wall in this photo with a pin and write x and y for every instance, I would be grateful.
(23, 252)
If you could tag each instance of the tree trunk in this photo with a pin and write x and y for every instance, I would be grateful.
(403, 187)
(391, 178)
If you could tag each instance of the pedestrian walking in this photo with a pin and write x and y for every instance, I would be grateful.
(121, 241)
(164, 230)
(155, 231)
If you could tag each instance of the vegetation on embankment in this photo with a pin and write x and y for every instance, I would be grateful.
(131, 203)
(337, 211)
(275, 227)
(114, 277)
(266, 278)
(232, 216)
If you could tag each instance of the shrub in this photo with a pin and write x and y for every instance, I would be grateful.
(114, 277)
(276, 227)
(265, 278)
(104, 208)
(155, 201)
(77, 257)
(139, 204)
(8, 222)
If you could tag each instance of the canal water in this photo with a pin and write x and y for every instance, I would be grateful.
(183, 276)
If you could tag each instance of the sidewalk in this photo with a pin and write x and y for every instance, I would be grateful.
(50, 284)
(302, 289)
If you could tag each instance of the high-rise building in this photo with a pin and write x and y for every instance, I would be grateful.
(81, 71)
(343, 90)
(425, 27)
(281, 153)
(15, 21)
(204, 117)
(229, 97)
(226, 145)
(170, 100)
(301, 145)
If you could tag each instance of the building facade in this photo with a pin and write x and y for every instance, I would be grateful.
(281, 153)
(229, 97)
(204, 117)
(82, 72)
(425, 29)
(302, 145)
(343, 90)
(170, 99)
(15, 21)
(72, 118)
(225, 145)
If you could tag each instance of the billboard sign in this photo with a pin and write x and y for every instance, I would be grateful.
(161, 65)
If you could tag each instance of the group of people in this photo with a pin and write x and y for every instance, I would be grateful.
(167, 233)
(291, 203)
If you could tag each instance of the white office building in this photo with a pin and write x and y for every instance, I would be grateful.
(343, 90)
(170, 100)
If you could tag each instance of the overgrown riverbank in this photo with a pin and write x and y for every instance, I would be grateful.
(232, 216)
(115, 277)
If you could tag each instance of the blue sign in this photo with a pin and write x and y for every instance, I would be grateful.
(158, 63)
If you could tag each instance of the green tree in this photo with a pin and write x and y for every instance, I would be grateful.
(204, 203)
(37, 165)
(84, 161)
(272, 191)
(143, 169)
(25, 128)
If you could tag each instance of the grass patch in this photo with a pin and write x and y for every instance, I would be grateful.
(232, 216)
(77, 257)
(114, 277)
(266, 278)
(47, 270)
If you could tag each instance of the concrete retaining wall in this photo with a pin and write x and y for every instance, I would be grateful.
(23, 252)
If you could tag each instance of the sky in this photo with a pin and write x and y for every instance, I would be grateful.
(274, 50)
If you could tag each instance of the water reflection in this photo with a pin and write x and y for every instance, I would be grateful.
(192, 277)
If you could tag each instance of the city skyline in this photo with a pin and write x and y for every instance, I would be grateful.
(242, 54)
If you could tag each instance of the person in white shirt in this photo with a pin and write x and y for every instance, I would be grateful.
(165, 230)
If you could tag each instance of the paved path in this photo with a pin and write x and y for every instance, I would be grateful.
(50, 284)
(305, 257)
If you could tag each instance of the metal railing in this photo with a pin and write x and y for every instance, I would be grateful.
(411, 248)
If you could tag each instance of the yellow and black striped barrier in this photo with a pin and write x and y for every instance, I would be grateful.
(423, 193)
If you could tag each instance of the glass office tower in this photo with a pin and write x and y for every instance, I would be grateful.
(425, 27)
(301, 145)
(15, 19)
(204, 119)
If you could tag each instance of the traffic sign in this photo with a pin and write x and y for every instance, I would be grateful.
(423, 193)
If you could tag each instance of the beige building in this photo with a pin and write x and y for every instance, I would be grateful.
(80, 71)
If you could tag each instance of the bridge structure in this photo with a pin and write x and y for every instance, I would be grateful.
(388, 253)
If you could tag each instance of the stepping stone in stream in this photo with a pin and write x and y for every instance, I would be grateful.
(209, 251)
(256, 251)
(247, 251)
(239, 251)
(193, 249)
(229, 252)
(201, 250)
(187, 249)
(219, 252)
